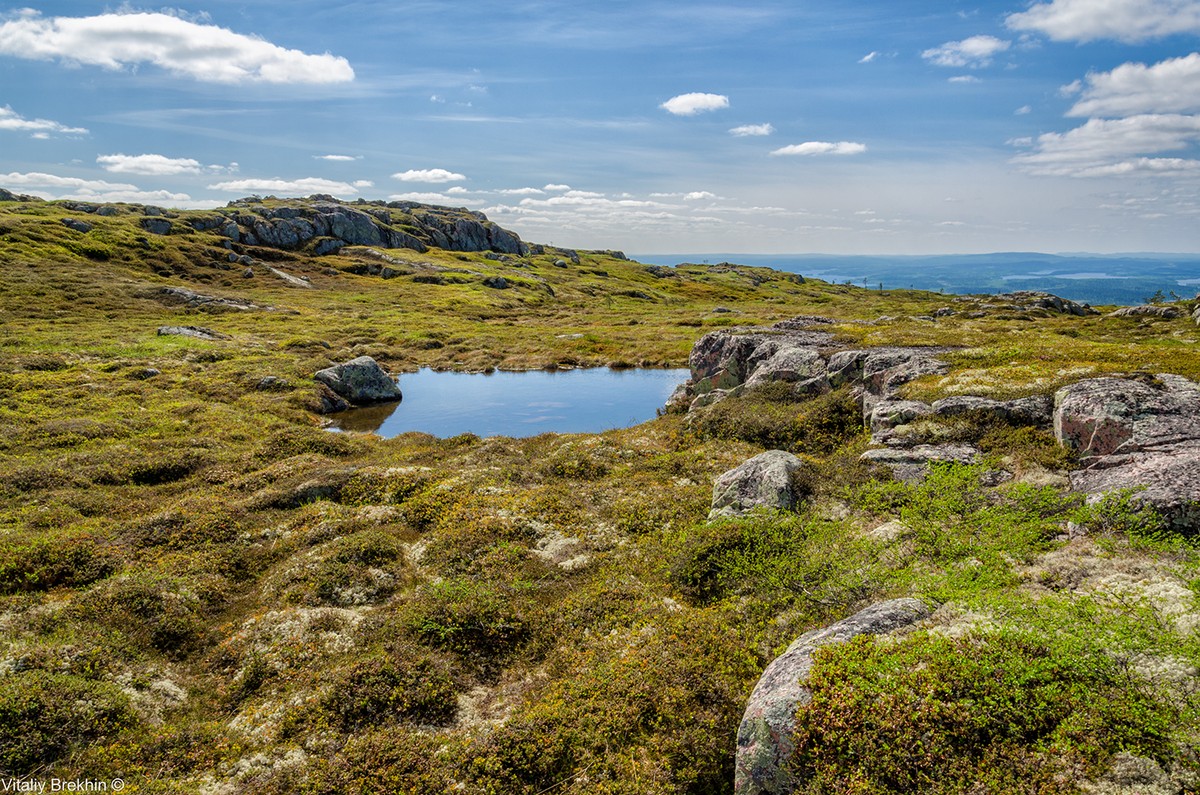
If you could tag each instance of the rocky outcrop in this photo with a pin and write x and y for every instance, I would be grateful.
(910, 464)
(1163, 311)
(764, 739)
(764, 481)
(191, 298)
(325, 226)
(1136, 434)
(1028, 301)
(156, 225)
(797, 352)
(360, 381)
(9, 196)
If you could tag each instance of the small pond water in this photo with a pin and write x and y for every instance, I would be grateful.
(517, 403)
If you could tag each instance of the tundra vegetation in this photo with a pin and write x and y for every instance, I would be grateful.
(204, 591)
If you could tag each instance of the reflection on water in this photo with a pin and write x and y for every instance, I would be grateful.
(517, 404)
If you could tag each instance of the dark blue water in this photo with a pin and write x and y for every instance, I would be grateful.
(517, 404)
(1098, 279)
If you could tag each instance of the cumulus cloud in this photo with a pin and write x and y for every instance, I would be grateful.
(180, 46)
(152, 165)
(691, 104)
(428, 175)
(521, 192)
(40, 128)
(698, 195)
(554, 187)
(58, 187)
(1110, 147)
(973, 53)
(337, 158)
(1122, 20)
(1171, 86)
(810, 148)
(305, 186)
(752, 130)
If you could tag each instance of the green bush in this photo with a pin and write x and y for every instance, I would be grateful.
(44, 715)
(770, 417)
(53, 562)
(477, 620)
(999, 713)
(383, 690)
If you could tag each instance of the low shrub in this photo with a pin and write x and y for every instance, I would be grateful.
(1007, 712)
(44, 715)
(383, 690)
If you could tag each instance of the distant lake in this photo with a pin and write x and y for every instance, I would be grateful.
(517, 403)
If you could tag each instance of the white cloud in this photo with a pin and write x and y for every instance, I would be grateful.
(457, 190)
(553, 187)
(871, 56)
(97, 190)
(152, 165)
(752, 130)
(691, 104)
(305, 186)
(338, 158)
(1123, 20)
(1107, 147)
(428, 175)
(363, 183)
(974, 52)
(1024, 110)
(698, 195)
(40, 128)
(1171, 86)
(422, 198)
(203, 52)
(964, 79)
(521, 192)
(822, 148)
(1070, 89)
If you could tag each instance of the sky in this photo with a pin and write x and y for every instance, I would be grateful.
(765, 126)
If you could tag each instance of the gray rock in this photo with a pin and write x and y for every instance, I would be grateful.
(1037, 410)
(764, 481)
(361, 381)
(271, 383)
(197, 332)
(910, 464)
(182, 295)
(1136, 434)
(887, 414)
(788, 364)
(157, 225)
(496, 283)
(77, 225)
(1148, 310)
(764, 739)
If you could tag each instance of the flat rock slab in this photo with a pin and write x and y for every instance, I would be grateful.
(910, 464)
(1141, 434)
(197, 332)
(764, 740)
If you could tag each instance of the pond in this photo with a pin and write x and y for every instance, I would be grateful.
(517, 403)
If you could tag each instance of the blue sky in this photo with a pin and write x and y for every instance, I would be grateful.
(652, 126)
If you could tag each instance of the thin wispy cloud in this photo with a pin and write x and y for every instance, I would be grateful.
(973, 53)
(964, 79)
(691, 104)
(1121, 20)
(58, 187)
(812, 148)
(871, 56)
(126, 40)
(751, 130)
(431, 175)
(11, 120)
(338, 158)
